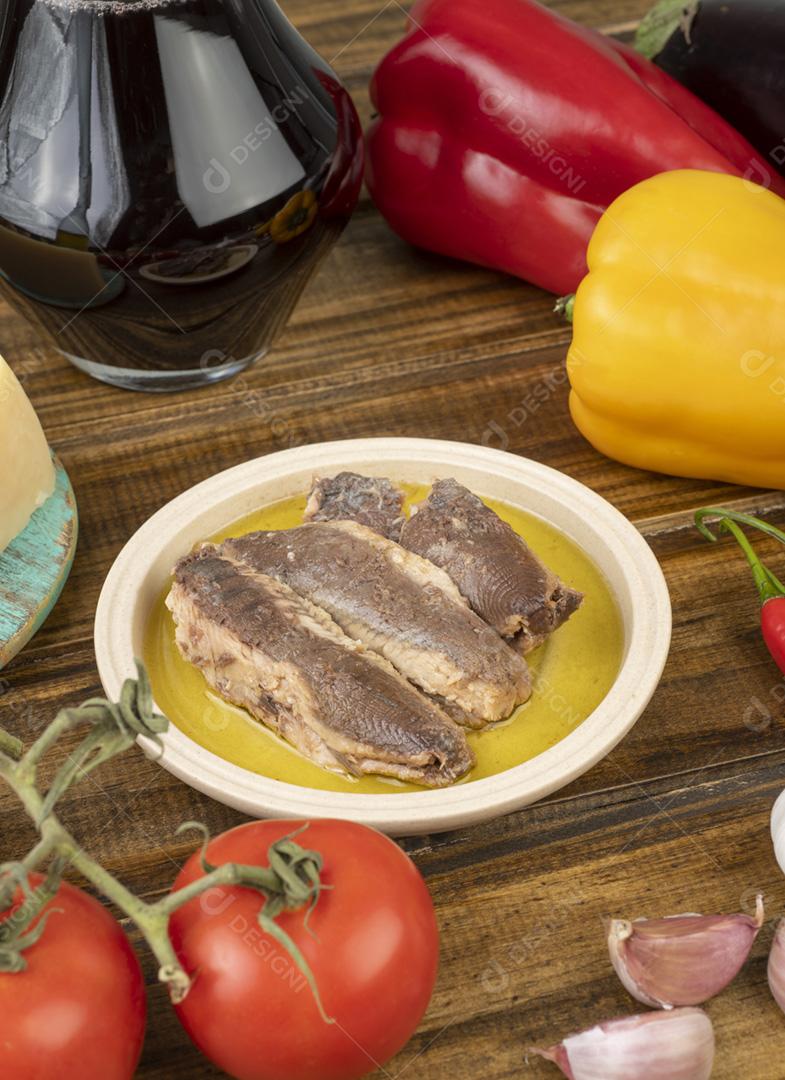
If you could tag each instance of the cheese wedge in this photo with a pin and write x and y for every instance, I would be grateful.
(27, 475)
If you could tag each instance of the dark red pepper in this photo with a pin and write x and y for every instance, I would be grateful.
(342, 185)
(504, 131)
(771, 589)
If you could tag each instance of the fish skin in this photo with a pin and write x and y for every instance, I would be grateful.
(493, 567)
(399, 605)
(284, 659)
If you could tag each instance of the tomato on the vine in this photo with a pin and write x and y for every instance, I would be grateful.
(77, 1011)
(371, 943)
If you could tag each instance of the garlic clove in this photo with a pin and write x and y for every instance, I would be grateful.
(778, 830)
(777, 966)
(674, 1045)
(681, 959)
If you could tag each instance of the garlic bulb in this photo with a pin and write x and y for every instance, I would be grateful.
(681, 959)
(675, 1045)
(777, 966)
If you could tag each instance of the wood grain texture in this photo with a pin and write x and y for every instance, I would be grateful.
(390, 341)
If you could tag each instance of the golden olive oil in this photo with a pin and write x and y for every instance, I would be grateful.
(572, 672)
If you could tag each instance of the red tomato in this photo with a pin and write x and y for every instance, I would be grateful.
(78, 1010)
(373, 949)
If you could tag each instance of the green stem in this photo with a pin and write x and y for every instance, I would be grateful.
(565, 306)
(32, 860)
(763, 578)
(38, 855)
(27, 924)
(10, 772)
(56, 838)
(291, 880)
(10, 745)
(734, 515)
(259, 877)
(153, 923)
(769, 585)
(66, 720)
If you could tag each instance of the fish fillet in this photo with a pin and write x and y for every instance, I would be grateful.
(263, 647)
(369, 500)
(493, 567)
(399, 605)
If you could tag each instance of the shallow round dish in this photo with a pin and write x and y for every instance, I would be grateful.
(143, 566)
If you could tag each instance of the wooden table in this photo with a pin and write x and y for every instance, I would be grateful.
(390, 341)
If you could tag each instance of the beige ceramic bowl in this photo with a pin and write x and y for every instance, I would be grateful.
(143, 566)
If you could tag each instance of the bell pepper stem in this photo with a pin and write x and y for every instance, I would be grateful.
(564, 306)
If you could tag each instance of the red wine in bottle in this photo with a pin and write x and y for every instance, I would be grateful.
(171, 174)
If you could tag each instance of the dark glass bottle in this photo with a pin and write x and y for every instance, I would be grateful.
(171, 173)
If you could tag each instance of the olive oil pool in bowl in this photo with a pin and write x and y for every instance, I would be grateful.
(572, 672)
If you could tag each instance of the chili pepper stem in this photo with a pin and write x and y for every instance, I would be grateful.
(762, 579)
(734, 515)
(769, 585)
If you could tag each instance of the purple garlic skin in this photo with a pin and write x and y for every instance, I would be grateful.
(776, 969)
(682, 959)
(673, 1045)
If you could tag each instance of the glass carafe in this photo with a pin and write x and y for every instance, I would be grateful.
(171, 173)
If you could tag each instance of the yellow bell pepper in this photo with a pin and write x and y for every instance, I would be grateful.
(677, 362)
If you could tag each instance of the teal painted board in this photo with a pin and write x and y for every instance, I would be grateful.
(35, 565)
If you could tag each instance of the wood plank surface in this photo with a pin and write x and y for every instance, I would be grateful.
(390, 341)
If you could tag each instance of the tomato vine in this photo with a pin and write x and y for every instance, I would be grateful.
(290, 881)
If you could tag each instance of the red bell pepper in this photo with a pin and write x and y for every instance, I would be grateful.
(504, 131)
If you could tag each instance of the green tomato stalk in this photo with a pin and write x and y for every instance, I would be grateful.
(290, 881)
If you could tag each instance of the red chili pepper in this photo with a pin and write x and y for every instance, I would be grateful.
(773, 622)
(771, 589)
(505, 130)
